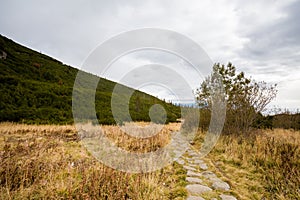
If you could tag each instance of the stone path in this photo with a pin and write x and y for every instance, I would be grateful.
(201, 183)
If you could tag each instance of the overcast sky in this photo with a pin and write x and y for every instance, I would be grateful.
(261, 38)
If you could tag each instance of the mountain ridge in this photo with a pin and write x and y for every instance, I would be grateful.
(36, 88)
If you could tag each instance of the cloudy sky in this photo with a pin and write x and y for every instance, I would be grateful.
(261, 38)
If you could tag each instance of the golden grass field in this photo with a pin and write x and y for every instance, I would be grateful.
(263, 165)
(48, 162)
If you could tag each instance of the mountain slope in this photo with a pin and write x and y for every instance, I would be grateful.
(36, 88)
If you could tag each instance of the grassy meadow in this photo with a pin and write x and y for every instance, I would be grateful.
(48, 162)
(262, 165)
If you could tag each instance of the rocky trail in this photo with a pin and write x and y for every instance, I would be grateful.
(201, 182)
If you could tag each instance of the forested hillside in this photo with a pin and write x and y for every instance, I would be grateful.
(36, 88)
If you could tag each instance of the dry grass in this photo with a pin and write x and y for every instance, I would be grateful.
(264, 164)
(48, 162)
(135, 144)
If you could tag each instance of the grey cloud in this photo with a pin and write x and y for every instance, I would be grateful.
(155, 75)
(63, 29)
(278, 38)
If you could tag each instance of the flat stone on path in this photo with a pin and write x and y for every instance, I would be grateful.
(189, 168)
(197, 189)
(208, 174)
(215, 179)
(203, 166)
(191, 173)
(227, 197)
(198, 161)
(221, 186)
(193, 165)
(194, 198)
(193, 180)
